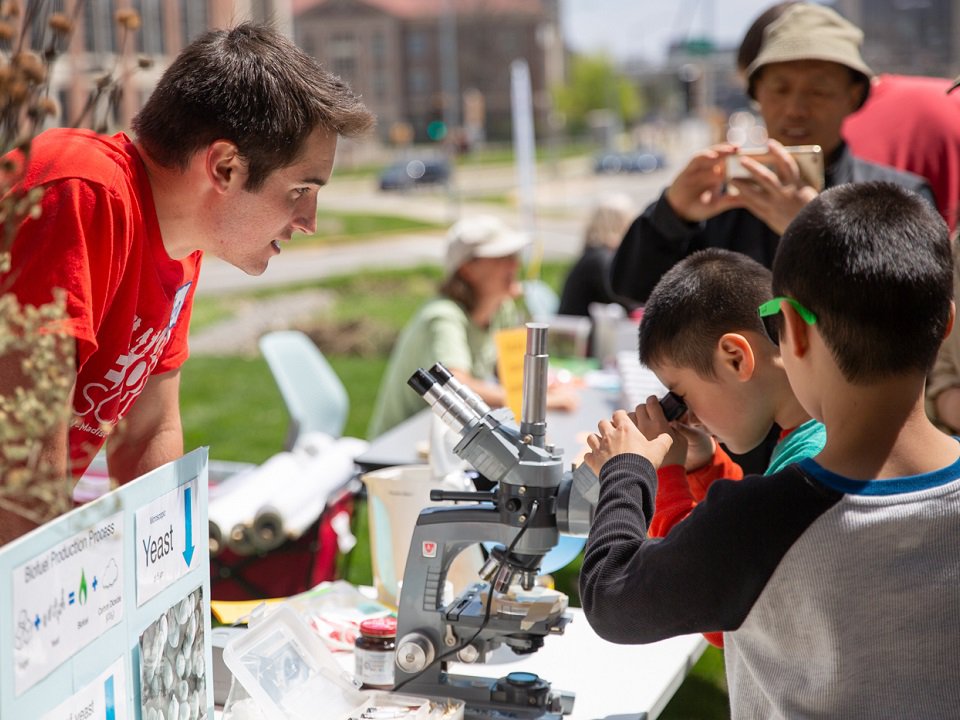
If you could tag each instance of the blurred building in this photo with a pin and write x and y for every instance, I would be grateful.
(100, 45)
(913, 37)
(426, 66)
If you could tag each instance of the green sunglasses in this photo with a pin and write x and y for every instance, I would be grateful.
(772, 307)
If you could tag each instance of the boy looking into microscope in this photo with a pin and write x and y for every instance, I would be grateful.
(834, 580)
(702, 337)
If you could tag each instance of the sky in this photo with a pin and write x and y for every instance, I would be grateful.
(643, 28)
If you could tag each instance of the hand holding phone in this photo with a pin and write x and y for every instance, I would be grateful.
(809, 159)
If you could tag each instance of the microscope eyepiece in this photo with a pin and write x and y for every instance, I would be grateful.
(446, 404)
(673, 406)
(421, 381)
(439, 373)
(446, 380)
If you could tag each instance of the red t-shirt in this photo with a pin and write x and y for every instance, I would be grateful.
(911, 123)
(98, 238)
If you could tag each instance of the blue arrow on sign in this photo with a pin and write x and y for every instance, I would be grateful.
(110, 703)
(188, 535)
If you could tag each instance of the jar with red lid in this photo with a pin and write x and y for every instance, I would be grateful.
(374, 652)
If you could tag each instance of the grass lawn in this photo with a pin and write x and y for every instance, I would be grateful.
(232, 405)
(339, 227)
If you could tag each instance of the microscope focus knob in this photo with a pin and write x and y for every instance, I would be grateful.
(414, 652)
(468, 654)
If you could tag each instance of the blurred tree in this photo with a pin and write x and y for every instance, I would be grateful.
(595, 84)
(36, 353)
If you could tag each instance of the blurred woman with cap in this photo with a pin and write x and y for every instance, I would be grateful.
(457, 327)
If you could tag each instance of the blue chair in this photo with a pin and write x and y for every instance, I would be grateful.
(541, 300)
(315, 397)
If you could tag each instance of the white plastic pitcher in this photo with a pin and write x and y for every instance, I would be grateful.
(395, 496)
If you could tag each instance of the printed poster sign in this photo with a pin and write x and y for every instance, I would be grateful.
(65, 598)
(166, 534)
(103, 699)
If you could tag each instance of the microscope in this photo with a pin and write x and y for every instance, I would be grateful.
(532, 500)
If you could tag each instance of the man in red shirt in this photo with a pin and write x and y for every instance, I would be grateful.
(228, 155)
(911, 123)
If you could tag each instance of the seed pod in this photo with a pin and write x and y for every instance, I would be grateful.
(191, 631)
(194, 702)
(162, 629)
(184, 608)
(167, 674)
(173, 635)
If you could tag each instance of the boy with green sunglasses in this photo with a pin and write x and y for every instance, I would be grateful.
(836, 579)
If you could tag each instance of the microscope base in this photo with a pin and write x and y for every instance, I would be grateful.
(517, 696)
(511, 714)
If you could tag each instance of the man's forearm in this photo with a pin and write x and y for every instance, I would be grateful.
(128, 457)
(22, 508)
(151, 433)
(34, 458)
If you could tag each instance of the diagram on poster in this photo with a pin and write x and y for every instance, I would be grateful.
(165, 540)
(172, 663)
(66, 597)
(103, 698)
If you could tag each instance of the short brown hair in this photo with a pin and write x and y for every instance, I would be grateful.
(253, 87)
(460, 291)
(705, 295)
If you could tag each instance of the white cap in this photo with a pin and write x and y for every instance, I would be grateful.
(483, 236)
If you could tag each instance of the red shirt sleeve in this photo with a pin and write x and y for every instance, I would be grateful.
(720, 466)
(678, 491)
(674, 500)
(53, 251)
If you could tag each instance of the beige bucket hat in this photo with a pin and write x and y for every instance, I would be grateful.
(807, 31)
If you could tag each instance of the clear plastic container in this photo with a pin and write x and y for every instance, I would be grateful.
(289, 673)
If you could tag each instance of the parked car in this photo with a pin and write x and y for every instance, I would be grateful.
(642, 160)
(410, 173)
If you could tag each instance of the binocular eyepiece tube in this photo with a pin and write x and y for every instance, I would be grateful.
(446, 404)
(445, 377)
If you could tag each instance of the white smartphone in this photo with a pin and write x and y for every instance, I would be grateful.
(809, 158)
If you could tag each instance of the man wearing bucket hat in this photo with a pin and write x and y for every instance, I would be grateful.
(457, 327)
(908, 122)
(807, 77)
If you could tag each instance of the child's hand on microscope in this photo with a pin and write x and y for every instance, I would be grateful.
(692, 446)
(621, 434)
(700, 445)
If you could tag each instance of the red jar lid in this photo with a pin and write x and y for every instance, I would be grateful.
(379, 627)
